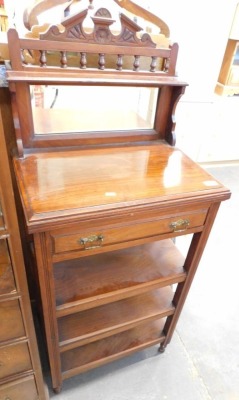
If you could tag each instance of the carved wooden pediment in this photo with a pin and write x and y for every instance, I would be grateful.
(71, 29)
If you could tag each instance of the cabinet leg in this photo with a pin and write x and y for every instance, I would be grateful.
(57, 390)
(162, 348)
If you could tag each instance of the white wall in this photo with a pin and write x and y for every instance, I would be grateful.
(207, 126)
(201, 29)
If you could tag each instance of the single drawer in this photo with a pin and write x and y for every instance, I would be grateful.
(14, 359)
(106, 237)
(21, 389)
(12, 324)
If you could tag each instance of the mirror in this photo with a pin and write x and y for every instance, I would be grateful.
(71, 109)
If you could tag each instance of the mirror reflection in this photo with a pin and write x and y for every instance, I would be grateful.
(71, 109)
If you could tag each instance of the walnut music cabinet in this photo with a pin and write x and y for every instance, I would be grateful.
(104, 189)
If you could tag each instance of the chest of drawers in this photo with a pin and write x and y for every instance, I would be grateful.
(20, 369)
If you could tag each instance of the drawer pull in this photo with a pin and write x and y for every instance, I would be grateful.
(180, 225)
(91, 239)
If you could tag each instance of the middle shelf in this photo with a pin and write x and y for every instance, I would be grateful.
(100, 322)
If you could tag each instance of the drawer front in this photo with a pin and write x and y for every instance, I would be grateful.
(22, 389)
(14, 359)
(12, 324)
(94, 239)
(7, 283)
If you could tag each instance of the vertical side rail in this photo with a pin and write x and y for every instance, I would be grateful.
(45, 276)
(194, 255)
(165, 120)
(14, 49)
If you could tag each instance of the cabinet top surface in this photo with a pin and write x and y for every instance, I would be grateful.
(77, 182)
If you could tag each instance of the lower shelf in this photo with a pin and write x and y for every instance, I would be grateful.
(112, 348)
(111, 305)
(97, 323)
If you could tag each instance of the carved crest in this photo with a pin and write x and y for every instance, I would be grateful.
(73, 30)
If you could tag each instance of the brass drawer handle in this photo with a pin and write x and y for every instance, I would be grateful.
(180, 225)
(91, 239)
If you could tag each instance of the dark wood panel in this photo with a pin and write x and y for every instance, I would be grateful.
(97, 278)
(109, 349)
(100, 322)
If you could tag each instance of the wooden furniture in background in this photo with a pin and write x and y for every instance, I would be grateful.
(103, 206)
(228, 80)
(20, 368)
(3, 18)
(32, 13)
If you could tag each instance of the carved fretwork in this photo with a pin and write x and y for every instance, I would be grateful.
(74, 31)
(128, 34)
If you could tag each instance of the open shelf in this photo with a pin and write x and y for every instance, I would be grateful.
(92, 281)
(100, 322)
(103, 351)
